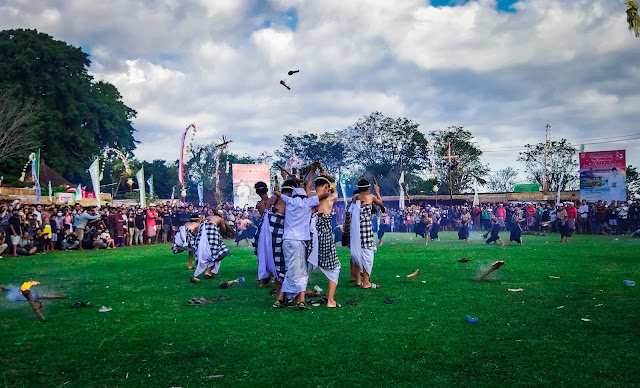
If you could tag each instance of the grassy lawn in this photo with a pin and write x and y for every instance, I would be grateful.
(151, 338)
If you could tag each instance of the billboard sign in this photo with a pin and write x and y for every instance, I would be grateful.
(603, 176)
(245, 176)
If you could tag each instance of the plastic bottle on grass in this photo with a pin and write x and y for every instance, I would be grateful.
(629, 283)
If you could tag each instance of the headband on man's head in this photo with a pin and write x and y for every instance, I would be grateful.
(323, 178)
(287, 187)
(363, 184)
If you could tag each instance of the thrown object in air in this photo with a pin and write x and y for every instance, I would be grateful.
(494, 267)
(414, 274)
(292, 72)
(285, 85)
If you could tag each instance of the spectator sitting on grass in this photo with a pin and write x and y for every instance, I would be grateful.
(25, 246)
(97, 241)
(105, 236)
(69, 240)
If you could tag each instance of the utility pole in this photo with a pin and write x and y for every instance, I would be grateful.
(544, 170)
(452, 163)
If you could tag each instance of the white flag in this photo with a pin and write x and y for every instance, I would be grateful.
(78, 193)
(201, 192)
(559, 186)
(94, 171)
(173, 195)
(50, 192)
(150, 183)
(476, 200)
(140, 179)
(401, 200)
(343, 188)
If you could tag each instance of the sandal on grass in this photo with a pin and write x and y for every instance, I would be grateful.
(209, 276)
(279, 304)
(302, 306)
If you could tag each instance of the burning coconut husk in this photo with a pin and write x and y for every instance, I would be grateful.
(494, 267)
(25, 290)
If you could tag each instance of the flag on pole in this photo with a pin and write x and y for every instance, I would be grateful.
(78, 193)
(173, 195)
(94, 171)
(35, 172)
(50, 193)
(201, 192)
(401, 200)
(343, 188)
(150, 183)
(140, 179)
(476, 200)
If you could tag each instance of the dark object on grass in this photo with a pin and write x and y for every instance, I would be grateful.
(352, 302)
(465, 260)
(494, 267)
(285, 85)
(51, 296)
(201, 301)
(209, 276)
(81, 304)
(229, 283)
(471, 320)
(388, 301)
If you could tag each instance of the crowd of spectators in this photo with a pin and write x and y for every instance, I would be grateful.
(33, 229)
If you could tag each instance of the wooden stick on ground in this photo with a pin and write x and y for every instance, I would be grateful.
(494, 267)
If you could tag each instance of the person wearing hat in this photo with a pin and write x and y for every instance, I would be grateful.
(296, 235)
(363, 244)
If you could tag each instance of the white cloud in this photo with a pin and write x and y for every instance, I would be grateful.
(218, 63)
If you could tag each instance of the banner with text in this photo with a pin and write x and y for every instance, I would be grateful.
(603, 176)
(245, 176)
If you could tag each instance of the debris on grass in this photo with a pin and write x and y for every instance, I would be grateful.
(397, 276)
(105, 309)
(514, 289)
(215, 376)
(352, 302)
(229, 283)
(554, 277)
(629, 283)
(560, 307)
(424, 282)
(471, 320)
(414, 274)
(317, 288)
(585, 319)
(201, 301)
(388, 301)
(465, 260)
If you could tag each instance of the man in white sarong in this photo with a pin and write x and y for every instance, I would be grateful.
(209, 246)
(323, 254)
(363, 243)
(295, 239)
(184, 238)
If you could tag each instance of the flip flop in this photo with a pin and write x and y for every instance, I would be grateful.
(352, 302)
(302, 306)
(279, 304)
(388, 301)
(209, 276)
(81, 304)
(194, 279)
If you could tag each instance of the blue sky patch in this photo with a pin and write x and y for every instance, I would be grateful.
(503, 5)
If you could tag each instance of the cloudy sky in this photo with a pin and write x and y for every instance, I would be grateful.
(503, 69)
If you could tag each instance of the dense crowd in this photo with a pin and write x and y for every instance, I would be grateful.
(30, 229)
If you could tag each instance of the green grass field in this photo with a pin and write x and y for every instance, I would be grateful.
(151, 338)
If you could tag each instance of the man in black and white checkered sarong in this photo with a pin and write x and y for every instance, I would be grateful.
(363, 255)
(324, 254)
(184, 239)
(209, 247)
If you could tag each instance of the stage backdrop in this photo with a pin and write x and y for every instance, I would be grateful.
(603, 176)
(245, 177)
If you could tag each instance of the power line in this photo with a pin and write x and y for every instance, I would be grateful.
(616, 139)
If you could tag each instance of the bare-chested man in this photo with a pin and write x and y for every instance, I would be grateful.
(327, 257)
(363, 244)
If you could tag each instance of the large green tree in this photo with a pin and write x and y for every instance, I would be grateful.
(78, 117)
(562, 164)
(469, 167)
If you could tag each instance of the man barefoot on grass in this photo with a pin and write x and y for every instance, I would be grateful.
(295, 238)
(495, 230)
(276, 209)
(324, 254)
(363, 244)
(184, 238)
(266, 266)
(209, 246)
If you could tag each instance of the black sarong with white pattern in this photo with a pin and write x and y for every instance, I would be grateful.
(327, 256)
(179, 246)
(254, 242)
(218, 250)
(366, 228)
(276, 226)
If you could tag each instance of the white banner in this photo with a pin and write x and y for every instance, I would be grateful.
(401, 200)
(201, 192)
(94, 171)
(140, 179)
